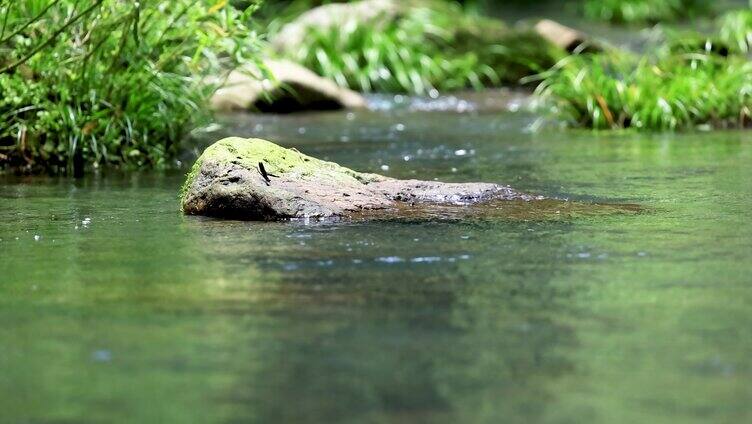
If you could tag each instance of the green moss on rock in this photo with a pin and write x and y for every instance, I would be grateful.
(277, 160)
(259, 180)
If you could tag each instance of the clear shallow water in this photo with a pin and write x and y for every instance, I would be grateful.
(116, 308)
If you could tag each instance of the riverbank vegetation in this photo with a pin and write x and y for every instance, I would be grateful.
(110, 82)
(675, 92)
(423, 46)
(736, 30)
(694, 80)
(643, 11)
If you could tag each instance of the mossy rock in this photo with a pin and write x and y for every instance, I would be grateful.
(256, 179)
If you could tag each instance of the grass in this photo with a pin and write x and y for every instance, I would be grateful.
(673, 92)
(736, 30)
(733, 36)
(693, 80)
(109, 82)
(642, 11)
(430, 46)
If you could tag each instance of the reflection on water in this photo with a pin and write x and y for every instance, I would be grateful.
(540, 209)
(118, 308)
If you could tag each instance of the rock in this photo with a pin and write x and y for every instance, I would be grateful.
(294, 88)
(255, 179)
(331, 16)
(560, 35)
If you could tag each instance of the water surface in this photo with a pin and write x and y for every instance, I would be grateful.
(116, 308)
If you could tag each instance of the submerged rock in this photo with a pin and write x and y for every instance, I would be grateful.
(258, 180)
(294, 88)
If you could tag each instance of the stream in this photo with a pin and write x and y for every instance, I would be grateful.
(116, 307)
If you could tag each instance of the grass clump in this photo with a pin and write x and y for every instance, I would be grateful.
(736, 30)
(642, 11)
(428, 46)
(674, 92)
(110, 81)
(733, 36)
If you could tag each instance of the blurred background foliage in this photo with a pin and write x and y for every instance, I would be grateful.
(644, 11)
(428, 46)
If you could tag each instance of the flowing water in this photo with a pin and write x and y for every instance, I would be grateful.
(115, 307)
